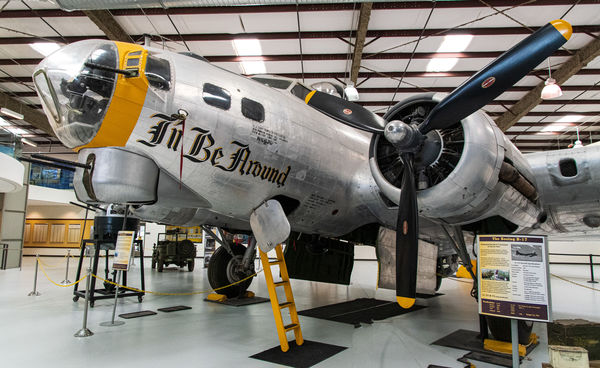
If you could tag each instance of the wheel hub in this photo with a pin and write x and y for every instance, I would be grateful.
(235, 269)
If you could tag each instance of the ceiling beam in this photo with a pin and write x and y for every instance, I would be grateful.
(32, 116)
(569, 68)
(324, 57)
(359, 43)
(290, 8)
(410, 33)
(329, 75)
(109, 25)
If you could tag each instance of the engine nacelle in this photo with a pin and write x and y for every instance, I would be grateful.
(458, 182)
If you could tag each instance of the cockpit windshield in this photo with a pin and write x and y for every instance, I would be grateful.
(77, 94)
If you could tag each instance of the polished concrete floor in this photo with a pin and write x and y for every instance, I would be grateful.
(38, 331)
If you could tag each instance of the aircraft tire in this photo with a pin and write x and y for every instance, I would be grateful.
(500, 329)
(190, 265)
(217, 272)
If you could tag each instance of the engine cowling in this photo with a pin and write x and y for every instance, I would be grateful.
(458, 169)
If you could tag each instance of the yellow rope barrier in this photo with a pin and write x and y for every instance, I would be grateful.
(52, 281)
(574, 283)
(174, 294)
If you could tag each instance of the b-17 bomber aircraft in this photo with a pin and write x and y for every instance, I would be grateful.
(184, 142)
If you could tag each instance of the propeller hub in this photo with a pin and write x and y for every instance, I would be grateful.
(405, 137)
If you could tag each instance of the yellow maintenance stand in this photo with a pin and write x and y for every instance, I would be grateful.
(289, 303)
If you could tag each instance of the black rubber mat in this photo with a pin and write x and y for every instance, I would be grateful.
(239, 302)
(304, 356)
(355, 312)
(488, 357)
(468, 340)
(174, 309)
(137, 314)
(428, 296)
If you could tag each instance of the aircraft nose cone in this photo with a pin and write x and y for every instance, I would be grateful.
(74, 93)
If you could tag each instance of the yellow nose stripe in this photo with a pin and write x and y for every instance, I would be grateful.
(126, 103)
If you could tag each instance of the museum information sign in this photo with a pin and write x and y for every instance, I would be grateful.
(513, 277)
(123, 250)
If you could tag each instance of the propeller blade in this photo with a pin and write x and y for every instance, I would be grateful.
(498, 76)
(345, 111)
(407, 230)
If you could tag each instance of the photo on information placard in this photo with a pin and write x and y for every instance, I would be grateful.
(495, 274)
(526, 252)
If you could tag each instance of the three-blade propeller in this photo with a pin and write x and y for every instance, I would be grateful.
(473, 94)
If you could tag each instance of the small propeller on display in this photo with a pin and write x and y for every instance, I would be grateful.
(408, 139)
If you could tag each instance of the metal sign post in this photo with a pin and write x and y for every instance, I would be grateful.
(112, 322)
(121, 261)
(37, 264)
(66, 280)
(514, 337)
(85, 332)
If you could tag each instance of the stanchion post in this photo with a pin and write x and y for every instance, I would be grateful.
(592, 281)
(112, 322)
(85, 332)
(66, 280)
(37, 264)
(514, 333)
(4, 256)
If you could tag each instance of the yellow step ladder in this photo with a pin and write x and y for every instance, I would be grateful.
(289, 303)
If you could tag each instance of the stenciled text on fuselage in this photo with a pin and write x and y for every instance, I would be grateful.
(203, 150)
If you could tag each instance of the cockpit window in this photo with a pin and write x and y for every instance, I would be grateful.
(275, 83)
(158, 73)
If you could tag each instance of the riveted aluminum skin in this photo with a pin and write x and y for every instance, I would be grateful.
(568, 200)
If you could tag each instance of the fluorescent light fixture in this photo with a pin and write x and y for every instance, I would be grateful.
(16, 130)
(441, 64)
(12, 114)
(253, 67)
(570, 119)
(455, 43)
(45, 48)
(247, 47)
(28, 142)
(553, 128)
(4, 123)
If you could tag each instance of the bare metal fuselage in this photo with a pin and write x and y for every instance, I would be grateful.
(296, 152)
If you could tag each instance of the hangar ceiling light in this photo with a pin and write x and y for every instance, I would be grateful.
(451, 43)
(249, 47)
(570, 119)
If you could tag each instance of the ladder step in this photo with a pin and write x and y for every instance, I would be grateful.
(285, 305)
(280, 283)
(274, 262)
(290, 327)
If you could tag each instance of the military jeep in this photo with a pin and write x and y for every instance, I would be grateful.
(171, 249)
